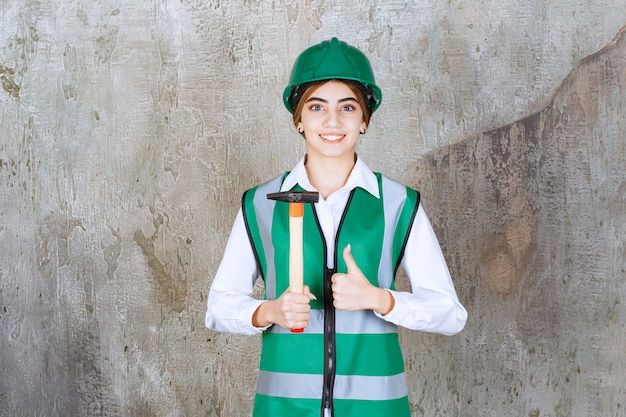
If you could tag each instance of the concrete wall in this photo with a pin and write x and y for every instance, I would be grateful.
(129, 130)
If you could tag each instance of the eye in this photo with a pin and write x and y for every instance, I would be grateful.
(315, 107)
(348, 107)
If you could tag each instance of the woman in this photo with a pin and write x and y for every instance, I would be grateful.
(347, 362)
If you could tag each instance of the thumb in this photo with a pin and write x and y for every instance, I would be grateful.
(349, 259)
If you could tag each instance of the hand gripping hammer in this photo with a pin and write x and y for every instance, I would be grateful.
(296, 200)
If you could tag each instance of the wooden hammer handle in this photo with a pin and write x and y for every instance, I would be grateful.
(296, 261)
(296, 256)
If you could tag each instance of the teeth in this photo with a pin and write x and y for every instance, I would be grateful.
(331, 138)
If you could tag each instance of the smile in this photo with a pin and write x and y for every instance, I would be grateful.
(332, 138)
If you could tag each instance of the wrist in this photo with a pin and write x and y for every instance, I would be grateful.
(262, 315)
(385, 302)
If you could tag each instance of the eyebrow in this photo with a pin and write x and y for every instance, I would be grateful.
(343, 100)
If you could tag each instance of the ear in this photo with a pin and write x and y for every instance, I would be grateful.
(299, 127)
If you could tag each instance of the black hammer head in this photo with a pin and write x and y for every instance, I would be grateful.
(295, 196)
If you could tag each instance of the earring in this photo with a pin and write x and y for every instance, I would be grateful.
(363, 131)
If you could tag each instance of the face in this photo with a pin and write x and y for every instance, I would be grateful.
(332, 120)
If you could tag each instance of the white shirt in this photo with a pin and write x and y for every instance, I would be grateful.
(431, 306)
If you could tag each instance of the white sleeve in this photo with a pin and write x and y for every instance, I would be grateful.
(230, 306)
(432, 305)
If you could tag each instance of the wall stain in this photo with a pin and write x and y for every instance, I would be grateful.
(532, 205)
(314, 15)
(112, 253)
(57, 228)
(291, 10)
(172, 289)
(105, 44)
(7, 77)
(489, 181)
(89, 390)
(71, 77)
(21, 47)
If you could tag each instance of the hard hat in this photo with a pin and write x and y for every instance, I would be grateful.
(330, 60)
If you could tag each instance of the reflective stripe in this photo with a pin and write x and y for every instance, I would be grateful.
(393, 195)
(264, 208)
(347, 322)
(352, 387)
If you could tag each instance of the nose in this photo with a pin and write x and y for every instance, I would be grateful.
(332, 118)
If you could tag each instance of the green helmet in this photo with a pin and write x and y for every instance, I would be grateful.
(330, 60)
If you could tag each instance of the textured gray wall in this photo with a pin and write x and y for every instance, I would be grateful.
(129, 130)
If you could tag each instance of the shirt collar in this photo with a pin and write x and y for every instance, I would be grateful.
(361, 176)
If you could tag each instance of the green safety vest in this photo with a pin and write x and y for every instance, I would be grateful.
(347, 362)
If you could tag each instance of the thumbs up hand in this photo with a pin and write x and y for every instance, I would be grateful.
(352, 291)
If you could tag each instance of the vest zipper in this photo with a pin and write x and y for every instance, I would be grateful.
(329, 346)
(330, 352)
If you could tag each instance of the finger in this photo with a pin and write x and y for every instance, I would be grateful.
(349, 259)
(295, 299)
(337, 277)
(308, 293)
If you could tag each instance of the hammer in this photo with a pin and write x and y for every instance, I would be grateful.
(296, 200)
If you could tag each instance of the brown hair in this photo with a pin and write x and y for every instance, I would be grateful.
(354, 86)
